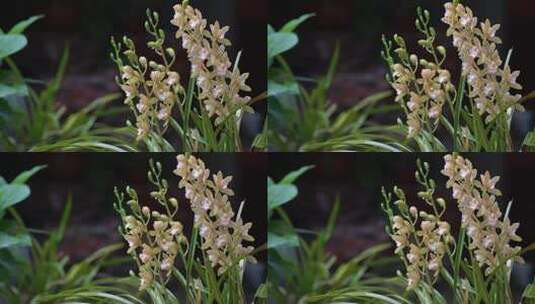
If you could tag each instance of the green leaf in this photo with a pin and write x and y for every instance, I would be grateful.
(529, 142)
(294, 175)
(528, 297)
(9, 240)
(331, 222)
(270, 29)
(261, 140)
(348, 269)
(10, 84)
(49, 94)
(291, 25)
(270, 181)
(278, 88)
(262, 291)
(8, 90)
(23, 177)
(279, 43)
(10, 44)
(333, 64)
(275, 240)
(279, 195)
(20, 27)
(11, 262)
(359, 112)
(12, 194)
(60, 232)
(281, 234)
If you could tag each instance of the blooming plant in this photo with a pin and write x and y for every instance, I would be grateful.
(209, 265)
(476, 264)
(205, 114)
(476, 113)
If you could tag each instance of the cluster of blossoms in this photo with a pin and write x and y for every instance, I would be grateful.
(422, 86)
(220, 83)
(222, 231)
(423, 246)
(489, 234)
(154, 239)
(489, 84)
(151, 90)
(423, 92)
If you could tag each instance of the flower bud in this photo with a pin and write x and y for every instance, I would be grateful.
(441, 50)
(143, 61)
(424, 43)
(414, 59)
(399, 40)
(413, 211)
(131, 55)
(423, 194)
(170, 52)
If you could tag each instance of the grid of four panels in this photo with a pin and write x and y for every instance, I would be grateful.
(266, 151)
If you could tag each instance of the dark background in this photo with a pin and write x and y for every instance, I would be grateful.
(358, 177)
(359, 24)
(87, 25)
(91, 177)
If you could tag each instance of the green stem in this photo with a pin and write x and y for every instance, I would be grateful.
(457, 262)
(187, 110)
(191, 256)
(457, 104)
